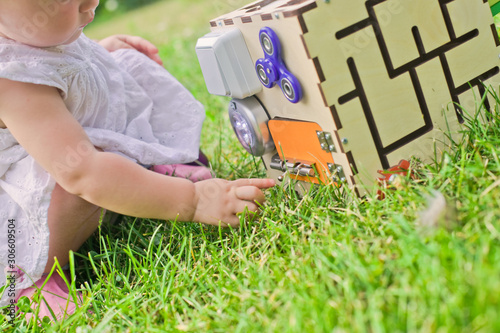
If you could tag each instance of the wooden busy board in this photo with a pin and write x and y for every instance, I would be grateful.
(388, 79)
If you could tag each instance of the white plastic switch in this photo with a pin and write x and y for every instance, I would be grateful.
(226, 64)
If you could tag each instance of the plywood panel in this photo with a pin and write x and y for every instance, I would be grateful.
(467, 15)
(443, 116)
(331, 56)
(345, 12)
(479, 54)
(437, 96)
(359, 141)
(393, 102)
(397, 27)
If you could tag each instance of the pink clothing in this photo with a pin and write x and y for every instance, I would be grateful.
(55, 293)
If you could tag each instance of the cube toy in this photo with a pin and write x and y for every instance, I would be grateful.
(337, 90)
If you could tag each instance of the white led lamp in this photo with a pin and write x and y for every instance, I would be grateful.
(249, 120)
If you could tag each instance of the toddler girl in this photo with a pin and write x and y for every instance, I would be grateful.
(77, 126)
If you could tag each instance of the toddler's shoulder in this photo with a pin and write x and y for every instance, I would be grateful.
(24, 63)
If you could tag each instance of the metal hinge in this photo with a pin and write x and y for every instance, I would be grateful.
(337, 171)
(326, 141)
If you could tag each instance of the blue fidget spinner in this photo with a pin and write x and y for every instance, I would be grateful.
(272, 69)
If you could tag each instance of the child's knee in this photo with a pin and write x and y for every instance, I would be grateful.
(64, 205)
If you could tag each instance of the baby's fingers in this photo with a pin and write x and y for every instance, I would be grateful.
(257, 182)
(250, 193)
(142, 45)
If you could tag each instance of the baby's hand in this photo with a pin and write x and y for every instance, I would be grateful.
(116, 42)
(219, 201)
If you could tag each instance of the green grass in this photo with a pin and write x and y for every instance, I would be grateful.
(326, 262)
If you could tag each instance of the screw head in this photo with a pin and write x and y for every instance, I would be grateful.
(331, 147)
(345, 141)
(340, 169)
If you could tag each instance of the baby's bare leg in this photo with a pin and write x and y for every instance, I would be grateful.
(71, 222)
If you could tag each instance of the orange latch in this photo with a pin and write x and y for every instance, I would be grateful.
(303, 149)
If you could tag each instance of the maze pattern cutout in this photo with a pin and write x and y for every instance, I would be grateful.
(392, 67)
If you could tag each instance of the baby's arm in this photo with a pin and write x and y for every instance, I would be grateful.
(39, 120)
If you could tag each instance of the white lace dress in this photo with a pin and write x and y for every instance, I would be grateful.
(126, 103)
